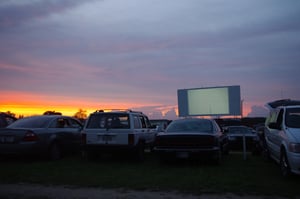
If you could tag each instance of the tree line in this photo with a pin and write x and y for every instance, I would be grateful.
(80, 114)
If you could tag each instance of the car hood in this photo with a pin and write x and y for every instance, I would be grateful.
(295, 133)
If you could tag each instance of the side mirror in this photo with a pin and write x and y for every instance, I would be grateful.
(274, 125)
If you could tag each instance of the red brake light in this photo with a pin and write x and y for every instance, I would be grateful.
(30, 137)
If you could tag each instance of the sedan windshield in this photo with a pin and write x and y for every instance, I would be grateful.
(292, 118)
(31, 122)
(190, 126)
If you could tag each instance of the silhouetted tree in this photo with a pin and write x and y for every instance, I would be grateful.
(81, 114)
(10, 113)
(52, 113)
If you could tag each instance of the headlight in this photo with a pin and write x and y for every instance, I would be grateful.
(294, 147)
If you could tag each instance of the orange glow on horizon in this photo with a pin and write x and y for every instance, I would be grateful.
(29, 110)
(23, 109)
(28, 104)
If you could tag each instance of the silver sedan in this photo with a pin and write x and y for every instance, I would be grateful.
(49, 136)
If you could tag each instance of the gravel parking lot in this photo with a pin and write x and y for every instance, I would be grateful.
(34, 191)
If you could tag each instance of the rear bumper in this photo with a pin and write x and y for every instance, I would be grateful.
(190, 150)
(108, 148)
(184, 153)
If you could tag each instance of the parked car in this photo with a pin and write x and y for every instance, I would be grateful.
(161, 124)
(260, 130)
(117, 131)
(282, 135)
(50, 135)
(238, 134)
(192, 137)
(6, 119)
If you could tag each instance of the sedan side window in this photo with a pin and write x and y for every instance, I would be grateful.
(74, 124)
(60, 123)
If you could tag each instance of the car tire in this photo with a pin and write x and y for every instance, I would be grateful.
(217, 159)
(55, 152)
(284, 165)
(139, 153)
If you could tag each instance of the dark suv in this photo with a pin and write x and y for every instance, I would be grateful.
(117, 131)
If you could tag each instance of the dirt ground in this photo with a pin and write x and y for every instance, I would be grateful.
(34, 191)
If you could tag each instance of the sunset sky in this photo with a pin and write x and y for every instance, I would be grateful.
(64, 55)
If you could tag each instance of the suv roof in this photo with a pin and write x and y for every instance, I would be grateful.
(283, 102)
(116, 111)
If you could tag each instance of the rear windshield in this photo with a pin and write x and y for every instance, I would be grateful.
(292, 118)
(31, 122)
(108, 121)
(182, 126)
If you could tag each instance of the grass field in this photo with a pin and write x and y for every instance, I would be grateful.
(235, 175)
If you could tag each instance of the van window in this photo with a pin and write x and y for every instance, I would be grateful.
(292, 118)
(280, 117)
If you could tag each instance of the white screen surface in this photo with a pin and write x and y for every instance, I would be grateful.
(208, 101)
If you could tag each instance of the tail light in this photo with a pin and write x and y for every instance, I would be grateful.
(130, 139)
(30, 137)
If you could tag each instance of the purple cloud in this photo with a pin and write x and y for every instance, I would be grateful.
(15, 14)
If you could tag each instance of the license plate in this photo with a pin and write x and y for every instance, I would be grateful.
(106, 138)
(7, 139)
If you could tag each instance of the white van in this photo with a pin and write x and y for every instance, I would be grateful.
(282, 134)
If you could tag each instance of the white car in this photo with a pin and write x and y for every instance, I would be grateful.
(282, 134)
(117, 131)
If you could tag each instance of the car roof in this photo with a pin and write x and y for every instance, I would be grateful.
(191, 119)
(108, 111)
(48, 116)
(282, 102)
